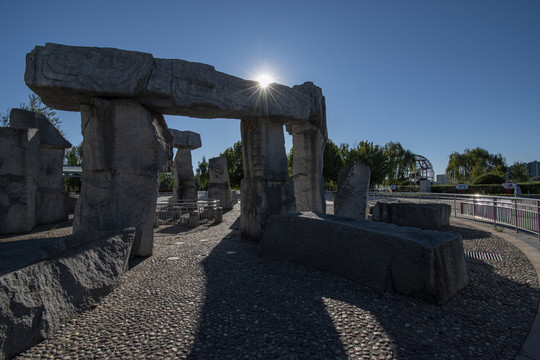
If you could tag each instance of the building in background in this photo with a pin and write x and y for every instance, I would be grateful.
(533, 168)
(443, 179)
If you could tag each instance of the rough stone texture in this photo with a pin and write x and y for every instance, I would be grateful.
(352, 191)
(184, 187)
(425, 264)
(125, 146)
(184, 180)
(433, 216)
(48, 134)
(219, 187)
(67, 76)
(19, 171)
(308, 144)
(186, 139)
(45, 282)
(265, 188)
(425, 186)
(52, 203)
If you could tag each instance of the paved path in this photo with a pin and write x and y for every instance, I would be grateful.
(205, 294)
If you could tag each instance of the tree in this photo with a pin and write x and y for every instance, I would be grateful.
(290, 158)
(368, 154)
(35, 105)
(489, 178)
(165, 181)
(473, 163)
(234, 164)
(399, 163)
(332, 162)
(202, 177)
(73, 156)
(519, 172)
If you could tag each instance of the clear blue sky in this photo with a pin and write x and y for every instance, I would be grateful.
(437, 76)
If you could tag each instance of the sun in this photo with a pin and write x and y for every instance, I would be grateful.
(264, 80)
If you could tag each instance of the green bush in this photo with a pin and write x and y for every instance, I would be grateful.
(488, 178)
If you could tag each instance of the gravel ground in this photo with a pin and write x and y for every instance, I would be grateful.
(206, 295)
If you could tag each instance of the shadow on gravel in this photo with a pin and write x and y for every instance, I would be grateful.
(257, 308)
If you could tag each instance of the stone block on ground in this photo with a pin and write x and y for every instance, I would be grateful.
(432, 216)
(352, 191)
(429, 265)
(218, 185)
(45, 282)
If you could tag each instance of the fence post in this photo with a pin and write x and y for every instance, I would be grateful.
(538, 215)
(516, 213)
(455, 207)
(494, 211)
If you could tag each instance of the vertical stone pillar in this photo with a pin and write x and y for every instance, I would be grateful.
(124, 147)
(184, 179)
(219, 187)
(266, 188)
(308, 150)
(352, 191)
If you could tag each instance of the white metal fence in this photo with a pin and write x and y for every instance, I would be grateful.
(519, 213)
(178, 212)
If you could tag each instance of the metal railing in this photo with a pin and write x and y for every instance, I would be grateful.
(179, 212)
(519, 213)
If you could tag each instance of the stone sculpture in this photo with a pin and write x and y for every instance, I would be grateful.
(429, 265)
(74, 78)
(219, 187)
(45, 282)
(432, 216)
(184, 179)
(31, 157)
(352, 191)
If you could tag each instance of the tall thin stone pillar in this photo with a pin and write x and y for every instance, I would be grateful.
(308, 145)
(124, 147)
(266, 188)
(184, 179)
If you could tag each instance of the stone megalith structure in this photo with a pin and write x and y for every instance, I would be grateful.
(184, 179)
(352, 191)
(31, 158)
(125, 146)
(73, 78)
(219, 187)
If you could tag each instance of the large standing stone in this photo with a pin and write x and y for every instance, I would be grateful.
(352, 191)
(308, 145)
(184, 179)
(45, 282)
(19, 171)
(425, 186)
(124, 147)
(426, 264)
(219, 187)
(265, 189)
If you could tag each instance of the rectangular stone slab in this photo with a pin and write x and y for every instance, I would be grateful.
(67, 76)
(429, 265)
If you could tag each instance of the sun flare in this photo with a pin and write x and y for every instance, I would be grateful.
(264, 80)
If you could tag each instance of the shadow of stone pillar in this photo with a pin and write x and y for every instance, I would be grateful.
(124, 147)
(266, 188)
(308, 145)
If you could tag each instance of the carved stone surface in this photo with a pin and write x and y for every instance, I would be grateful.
(219, 187)
(265, 188)
(45, 282)
(308, 145)
(425, 186)
(48, 134)
(184, 187)
(124, 147)
(426, 264)
(352, 191)
(19, 171)
(433, 216)
(67, 76)
(186, 139)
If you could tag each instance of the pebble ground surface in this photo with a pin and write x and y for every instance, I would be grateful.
(205, 294)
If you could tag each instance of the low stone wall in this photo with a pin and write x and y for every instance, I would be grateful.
(45, 282)
(429, 265)
(432, 216)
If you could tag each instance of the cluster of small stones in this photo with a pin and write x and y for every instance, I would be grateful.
(205, 294)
